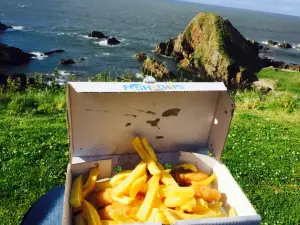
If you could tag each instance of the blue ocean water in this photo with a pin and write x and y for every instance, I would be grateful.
(45, 25)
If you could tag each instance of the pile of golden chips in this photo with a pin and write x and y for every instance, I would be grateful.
(148, 193)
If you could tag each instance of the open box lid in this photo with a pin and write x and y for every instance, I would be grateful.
(104, 117)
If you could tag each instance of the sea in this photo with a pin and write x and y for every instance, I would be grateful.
(40, 26)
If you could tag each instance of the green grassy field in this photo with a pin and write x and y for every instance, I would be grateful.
(262, 150)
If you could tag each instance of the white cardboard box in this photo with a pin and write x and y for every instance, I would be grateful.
(182, 122)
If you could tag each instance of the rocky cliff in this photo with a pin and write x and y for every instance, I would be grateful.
(212, 47)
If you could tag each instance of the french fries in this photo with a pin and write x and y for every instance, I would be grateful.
(171, 191)
(119, 177)
(151, 195)
(76, 192)
(101, 185)
(137, 185)
(78, 220)
(90, 213)
(148, 193)
(232, 212)
(91, 181)
(124, 186)
(167, 179)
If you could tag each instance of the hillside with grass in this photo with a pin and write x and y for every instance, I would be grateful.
(262, 150)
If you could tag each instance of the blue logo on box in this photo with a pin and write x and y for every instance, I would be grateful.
(153, 87)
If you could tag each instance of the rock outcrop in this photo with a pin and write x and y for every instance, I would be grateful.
(258, 47)
(285, 45)
(280, 45)
(54, 51)
(272, 43)
(165, 48)
(212, 47)
(140, 56)
(113, 41)
(97, 34)
(4, 27)
(67, 61)
(13, 56)
(156, 68)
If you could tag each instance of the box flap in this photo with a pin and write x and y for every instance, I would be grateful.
(104, 117)
(108, 87)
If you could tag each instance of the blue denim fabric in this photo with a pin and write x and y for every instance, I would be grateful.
(47, 210)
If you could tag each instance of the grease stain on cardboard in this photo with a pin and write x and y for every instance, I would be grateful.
(153, 123)
(171, 112)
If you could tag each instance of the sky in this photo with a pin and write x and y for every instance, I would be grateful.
(288, 7)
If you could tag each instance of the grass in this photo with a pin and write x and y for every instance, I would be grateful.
(262, 150)
(286, 80)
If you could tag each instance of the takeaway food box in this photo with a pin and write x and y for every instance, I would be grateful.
(182, 121)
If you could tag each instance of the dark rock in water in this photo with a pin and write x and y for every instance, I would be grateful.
(156, 68)
(113, 41)
(4, 27)
(97, 34)
(54, 51)
(82, 59)
(140, 56)
(165, 48)
(13, 56)
(67, 61)
(285, 45)
(272, 43)
(281, 45)
(212, 47)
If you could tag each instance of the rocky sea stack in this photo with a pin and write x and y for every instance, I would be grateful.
(140, 56)
(13, 56)
(156, 68)
(212, 47)
(67, 61)
(4, 27)
(97, 34)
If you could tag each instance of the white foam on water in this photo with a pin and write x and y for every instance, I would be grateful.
(63, 73)
(38, 55)
(105, 53)
(87, 37)
(102, 43)
(24, 6)
(66, 33)
(296, 46)
(17, 27)
(264, 42)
